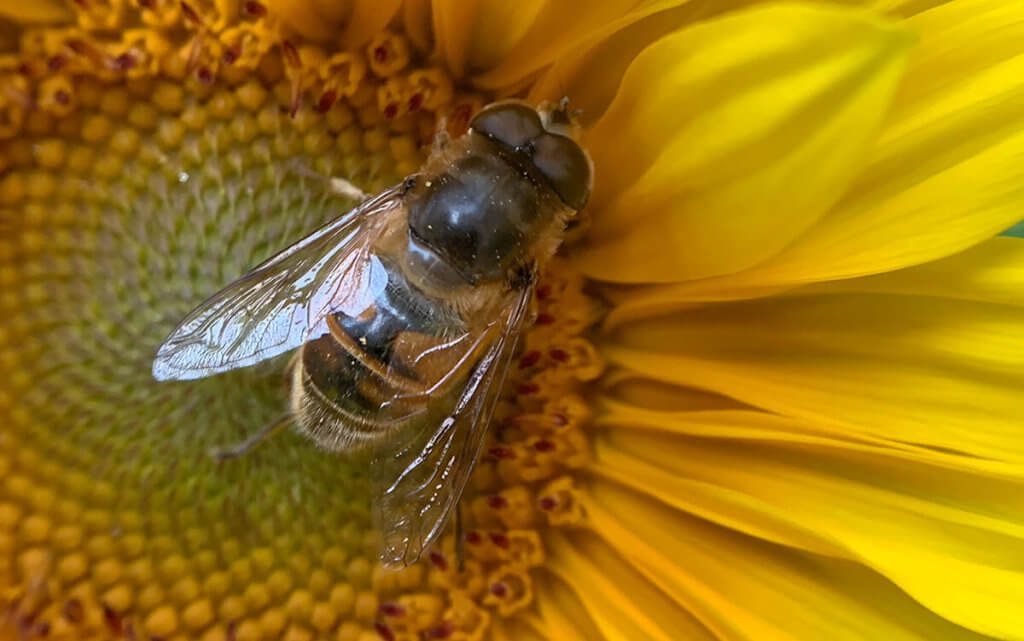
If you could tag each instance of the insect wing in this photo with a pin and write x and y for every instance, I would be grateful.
(284, 302)
(418, 481)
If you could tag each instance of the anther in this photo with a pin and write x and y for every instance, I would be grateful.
(124, 62)
(497, 502)
(442, 631)
(439, 561)
(499, 539)
(473, 537)
(384, 631)
(547, 503)
(559, 355)
(204, 75)
(526, 389)
(74, 611)
(190, 14)
(291, 54)
(529, 359)
(254, 9)
(544, 445)
(501, 453)
(499, 590)
(327, 100)
(387, 54)
(392, 609)
(113, 620)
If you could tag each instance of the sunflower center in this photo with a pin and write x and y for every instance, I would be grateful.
(149, 156)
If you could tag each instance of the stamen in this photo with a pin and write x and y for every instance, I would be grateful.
(254, 9)
(388, 54)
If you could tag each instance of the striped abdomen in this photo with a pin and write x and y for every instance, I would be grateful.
(359, 382)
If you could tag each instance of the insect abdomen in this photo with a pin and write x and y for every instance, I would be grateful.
(346, 381)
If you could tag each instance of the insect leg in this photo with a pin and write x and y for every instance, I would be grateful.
(223, 454)
(441, 137)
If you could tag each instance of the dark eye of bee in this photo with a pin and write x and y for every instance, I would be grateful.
(565, 166)
(511, 124)
(558, 158)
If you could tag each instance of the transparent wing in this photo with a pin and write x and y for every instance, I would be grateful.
(283, 302)
(419, 480)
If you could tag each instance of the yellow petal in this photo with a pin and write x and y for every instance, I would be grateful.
(561, 614)
(367, 19)
(304, 17)
(991, 272)
(952, 382)
(921, 364)
(505, 45)
(416, 20)
(946, 172)
(729, 139)
(591, 77)
(742, 588)
(36, 11)
(353, 22)
(453, 26)
(621, 601)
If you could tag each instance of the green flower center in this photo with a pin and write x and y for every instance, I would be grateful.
(134, 187)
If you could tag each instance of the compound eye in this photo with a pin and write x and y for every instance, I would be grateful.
(566, 167)
(509, 123)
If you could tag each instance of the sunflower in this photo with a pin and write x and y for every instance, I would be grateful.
(773, 387)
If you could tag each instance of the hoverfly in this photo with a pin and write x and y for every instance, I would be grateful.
(405, 312)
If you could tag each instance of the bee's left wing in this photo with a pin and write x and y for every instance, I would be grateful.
(420, 481)
(283, 302)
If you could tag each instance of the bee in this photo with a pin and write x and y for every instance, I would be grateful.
(405, 312)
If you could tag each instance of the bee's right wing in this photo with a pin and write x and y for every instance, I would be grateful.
(284, 302)
(419, 479)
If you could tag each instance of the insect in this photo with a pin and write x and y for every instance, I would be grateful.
(405, 312)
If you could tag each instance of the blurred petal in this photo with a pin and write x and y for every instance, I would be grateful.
(367, 19)
(505, 45)
(742, 588)
(304, 17)
(352, 23)
(36, 11)
(723, 120)
(416, 19)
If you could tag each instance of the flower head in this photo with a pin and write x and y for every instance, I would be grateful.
(772, 386)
